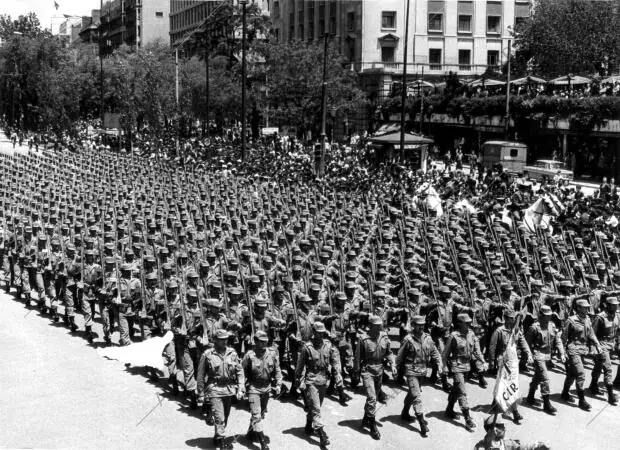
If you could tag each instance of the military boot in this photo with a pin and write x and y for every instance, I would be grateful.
(309, 430)
(516, 415)
(611, 397)
(374, 431)
(404, 415)
(469, 422)
(594, 390)
(583, 404)
(547, 406)
(324, 440)
(89, 334)
(531, 397)
(193, 402)
(262, 440)
(423, 425)
(450, 414)
(566, 395)
(72, 325)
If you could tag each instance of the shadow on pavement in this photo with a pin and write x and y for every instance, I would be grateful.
(396, 420)
(203, 442)
(300, 434)
(440, 415)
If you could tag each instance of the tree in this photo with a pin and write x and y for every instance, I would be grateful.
(293, 74)
(28, 26)
(570, 36)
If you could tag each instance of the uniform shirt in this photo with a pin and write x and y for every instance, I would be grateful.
(499, 342)
(461, 350)
(219, 374)
(415, 354)
(260, 368)
(318, 361)
(371, 353)
(543, 341)
(606, 330)
(578, 333)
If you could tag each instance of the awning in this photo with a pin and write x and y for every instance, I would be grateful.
(411, 140)
(566, 79)
(528, 80)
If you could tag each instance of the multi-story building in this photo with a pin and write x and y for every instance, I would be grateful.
(89, 32)
(134, 23)
(462, 36)
(187, 15)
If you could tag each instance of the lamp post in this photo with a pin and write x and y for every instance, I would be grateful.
(403, 94)
(243, 75)
(506, 124)
(321, 170)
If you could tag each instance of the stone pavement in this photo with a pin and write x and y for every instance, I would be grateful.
(59, 393)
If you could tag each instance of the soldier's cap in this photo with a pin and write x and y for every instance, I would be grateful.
(463, 318)
(304, 298)
(110, 260)
(221, 334)
(212, 303)
(297, 268)
(378, 294)
(340, 297)
(375, 320)
(173, 285)
(315, 287)
(617, 274)
(536, 282)
(319, 327)
(192, 293)
(150, 276)
(506, 287)
(235, 291)
(566, 284)
(418, 320)
(510, 314)
(278, 288)
(70, 248)
(261, 303)
(192, 274)
(612, 300)
(167, 266)
(89, 253)
(150, 259)
(592, 276)
(545, 310)
(261, 336)
(494, 420)
(583, 303)
(444, 290)
(255, 279)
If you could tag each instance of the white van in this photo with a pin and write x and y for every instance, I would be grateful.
(511, 155)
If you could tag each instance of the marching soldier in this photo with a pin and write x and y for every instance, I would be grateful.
(372, 352)
(318, 358)
(543, 338)
(605, 326)
(462, 349)
(220, 378)
(578, 334)
(414, 355)
(261, 366)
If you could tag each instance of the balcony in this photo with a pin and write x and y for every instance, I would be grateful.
(396, 68)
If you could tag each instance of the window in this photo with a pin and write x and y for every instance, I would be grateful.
(464, 59)
(159, 14)
(388, 20)
(494, 24)
(435, 22)
(493, 59)
(301, 32)
(464, 23)
(434, 58)
(519, 23)
(514, 152)
(387, 54)
(351, 21)
(276, 10)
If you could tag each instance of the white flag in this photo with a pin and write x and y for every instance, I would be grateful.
(506, 391)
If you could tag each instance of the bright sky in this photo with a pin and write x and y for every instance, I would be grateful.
(45, 10)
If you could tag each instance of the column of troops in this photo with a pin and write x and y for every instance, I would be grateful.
(259, 280)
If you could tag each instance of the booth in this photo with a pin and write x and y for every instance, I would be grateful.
(414, 151)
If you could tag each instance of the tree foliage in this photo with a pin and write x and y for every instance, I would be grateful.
(569, 36)
(293, 74)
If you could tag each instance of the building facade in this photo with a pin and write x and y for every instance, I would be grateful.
(462, 36)
(187, 15)
(134, 23)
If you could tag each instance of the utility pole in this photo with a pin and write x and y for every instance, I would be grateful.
(321, 170)
(243, 76)
(506, 124)
(100, 32)
(403, 94)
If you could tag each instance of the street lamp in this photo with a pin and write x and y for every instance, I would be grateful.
(403, 94)
(243, 4)
(324, 106)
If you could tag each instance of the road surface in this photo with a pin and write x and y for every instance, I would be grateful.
(59, 393)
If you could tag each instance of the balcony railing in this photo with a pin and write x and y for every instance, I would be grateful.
(432, 68)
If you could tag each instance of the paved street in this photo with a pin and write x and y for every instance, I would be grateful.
(59, 393)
